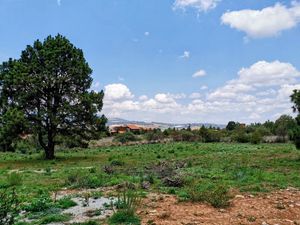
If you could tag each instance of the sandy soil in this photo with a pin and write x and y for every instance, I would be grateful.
(281, 208)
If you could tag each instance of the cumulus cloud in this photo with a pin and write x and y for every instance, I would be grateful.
(117, 92)
(199, 73)
(259, 92)
(199, 5)
(267, 22)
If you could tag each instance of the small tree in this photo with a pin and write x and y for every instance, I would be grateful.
(231, 125)
(50, 85)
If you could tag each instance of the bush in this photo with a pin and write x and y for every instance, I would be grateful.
(39, 204)
(256, 138)
(126, 137)
(154, 136)
(9, 206)
(215, 194)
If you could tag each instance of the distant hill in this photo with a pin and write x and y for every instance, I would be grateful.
(119, 121)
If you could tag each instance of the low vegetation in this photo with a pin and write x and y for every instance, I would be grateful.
(194, 171)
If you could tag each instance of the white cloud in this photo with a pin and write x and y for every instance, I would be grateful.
(58, 2)
(199, 73)
(259, 92)
(117, 92)
(185, 55)
(199, 5)
(203, 87)
(143, 98)
(147, 33)
(265, 73)
(267, 22)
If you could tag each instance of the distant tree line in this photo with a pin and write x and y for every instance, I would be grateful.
(284, 129)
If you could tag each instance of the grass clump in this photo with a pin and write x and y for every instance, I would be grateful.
(127, 204)
(66, 202)
(54, 218)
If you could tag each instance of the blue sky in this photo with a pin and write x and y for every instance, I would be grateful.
(146, 55)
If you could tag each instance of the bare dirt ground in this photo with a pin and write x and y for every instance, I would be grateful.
(280, 207)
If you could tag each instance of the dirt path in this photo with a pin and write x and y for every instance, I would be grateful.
(281, 208)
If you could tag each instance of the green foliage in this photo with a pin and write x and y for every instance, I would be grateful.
(284, 126)
(14, 179)
(79, 179)
(215, 194)
(128, 201)
(125, 137)
(54, 218)
(154, 135)
(12, 123)
(295, 97)
(9, 206)
(127, 204)
(256, 137)
(86, 223)
(231, 125)
(49, 87)
(122, 218)
(39, 204)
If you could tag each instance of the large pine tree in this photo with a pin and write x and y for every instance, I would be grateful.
(50, 86)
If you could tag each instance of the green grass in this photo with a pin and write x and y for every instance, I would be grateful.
(244, 167)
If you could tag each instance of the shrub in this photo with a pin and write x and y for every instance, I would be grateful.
(39, 204)
(126, 137)
(215, 194)
(256, 138)
(9, 206)
(154, 136)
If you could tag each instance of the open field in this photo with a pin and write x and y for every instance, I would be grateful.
(184, 170)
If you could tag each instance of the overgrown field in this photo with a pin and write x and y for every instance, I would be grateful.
(192, 171)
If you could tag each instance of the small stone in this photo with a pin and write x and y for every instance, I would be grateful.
(222, 210)
(239, 196)
(264, 223)
(291, 206)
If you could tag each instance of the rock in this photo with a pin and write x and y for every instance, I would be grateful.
(264, 223)
(145, 185)
(239, 196)
(222, 210)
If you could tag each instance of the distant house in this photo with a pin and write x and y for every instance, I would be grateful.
(120, 129)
